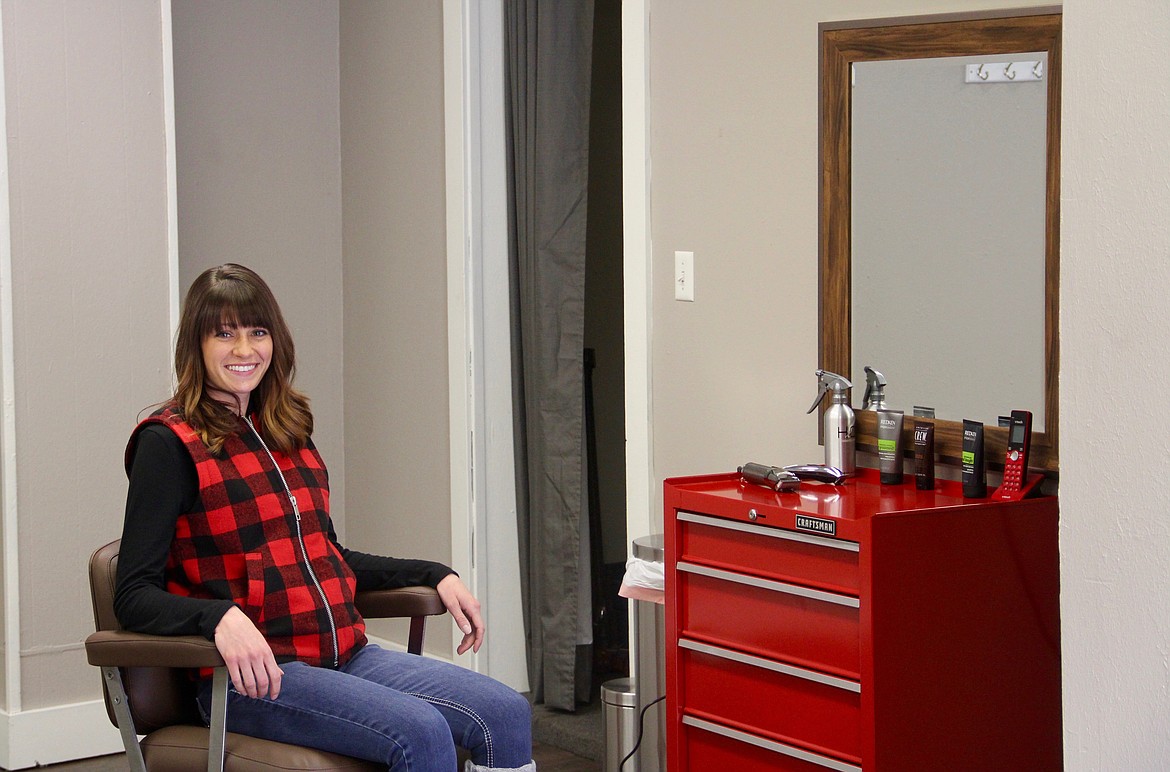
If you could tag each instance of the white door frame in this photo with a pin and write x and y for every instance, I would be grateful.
(8, 501)
(484, 539)
(641, 493)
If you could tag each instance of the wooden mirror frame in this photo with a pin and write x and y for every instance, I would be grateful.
(920, 37)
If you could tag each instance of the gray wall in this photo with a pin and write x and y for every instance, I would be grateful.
(89, 306)
(259, 116)
(296, 124)
(395, 285)
(259, 175)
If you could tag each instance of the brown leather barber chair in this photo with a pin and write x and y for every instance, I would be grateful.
(149, 692)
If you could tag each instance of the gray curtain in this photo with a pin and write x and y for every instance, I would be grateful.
(549, 49)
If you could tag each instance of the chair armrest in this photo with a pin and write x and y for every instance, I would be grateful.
(119, 648)
(399, 602)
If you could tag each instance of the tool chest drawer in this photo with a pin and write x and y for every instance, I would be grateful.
(710, 746)
(770, 551)
(801, 625)
(746, 690)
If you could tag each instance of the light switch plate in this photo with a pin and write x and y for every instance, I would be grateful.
(684, 276)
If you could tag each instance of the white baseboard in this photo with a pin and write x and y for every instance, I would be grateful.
(60, 733)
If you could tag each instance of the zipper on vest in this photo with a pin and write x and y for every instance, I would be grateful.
(301, 542)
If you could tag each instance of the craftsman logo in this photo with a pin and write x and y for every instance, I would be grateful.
(817, 525)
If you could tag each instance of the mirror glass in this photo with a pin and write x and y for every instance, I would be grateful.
(948, 200)
(950, 205)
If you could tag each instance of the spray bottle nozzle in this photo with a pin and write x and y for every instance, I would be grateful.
(875, 395)
(829, 382)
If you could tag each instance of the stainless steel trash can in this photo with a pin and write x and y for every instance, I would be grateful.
(620, 712)
(649, 657)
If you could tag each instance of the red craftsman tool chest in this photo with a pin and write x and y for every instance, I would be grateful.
(859, 627)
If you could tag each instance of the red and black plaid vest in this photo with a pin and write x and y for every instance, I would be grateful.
(244, 542)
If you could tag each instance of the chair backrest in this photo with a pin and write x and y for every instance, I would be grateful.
(158, 696)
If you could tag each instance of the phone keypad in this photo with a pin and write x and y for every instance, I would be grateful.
(1013, 476)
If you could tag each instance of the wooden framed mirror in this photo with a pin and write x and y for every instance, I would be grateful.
(845, 44)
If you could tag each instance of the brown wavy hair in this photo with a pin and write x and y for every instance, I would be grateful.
(236, 296)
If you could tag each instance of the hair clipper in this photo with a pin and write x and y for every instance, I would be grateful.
(819, 472)
(771, 477)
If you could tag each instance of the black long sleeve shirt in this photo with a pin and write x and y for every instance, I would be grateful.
(164, 485)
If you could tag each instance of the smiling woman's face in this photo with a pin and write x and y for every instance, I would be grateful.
(236, 359)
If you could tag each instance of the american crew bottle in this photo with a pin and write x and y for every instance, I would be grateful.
(923, 456)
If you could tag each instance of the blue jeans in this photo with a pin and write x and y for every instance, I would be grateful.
(403, 710)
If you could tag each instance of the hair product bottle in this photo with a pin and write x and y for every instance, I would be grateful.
(974, 468)
(889, 440)
(840, 423)
(924, 455)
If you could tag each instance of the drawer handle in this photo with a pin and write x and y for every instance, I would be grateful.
(768, 584)
(770, 745)
(775, 533)
(767, 664)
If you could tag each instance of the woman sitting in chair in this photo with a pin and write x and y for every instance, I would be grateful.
(227, 535)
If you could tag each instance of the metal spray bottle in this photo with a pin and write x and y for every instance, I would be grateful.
(840, 423)
(875, 390)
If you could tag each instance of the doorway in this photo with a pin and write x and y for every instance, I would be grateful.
(478, 286)
(605, 347)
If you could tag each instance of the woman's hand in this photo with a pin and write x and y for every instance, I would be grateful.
(464, 609)
(249, 659)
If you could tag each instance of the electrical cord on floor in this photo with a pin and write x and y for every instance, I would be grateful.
(641, 728)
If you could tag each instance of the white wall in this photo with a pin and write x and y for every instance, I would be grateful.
(1115, 278)
(733, 149)
(733, 114)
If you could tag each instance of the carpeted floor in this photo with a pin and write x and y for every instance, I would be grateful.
(547, 757)
(581, 733)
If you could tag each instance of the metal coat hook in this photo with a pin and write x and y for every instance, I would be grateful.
(1004, 72)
